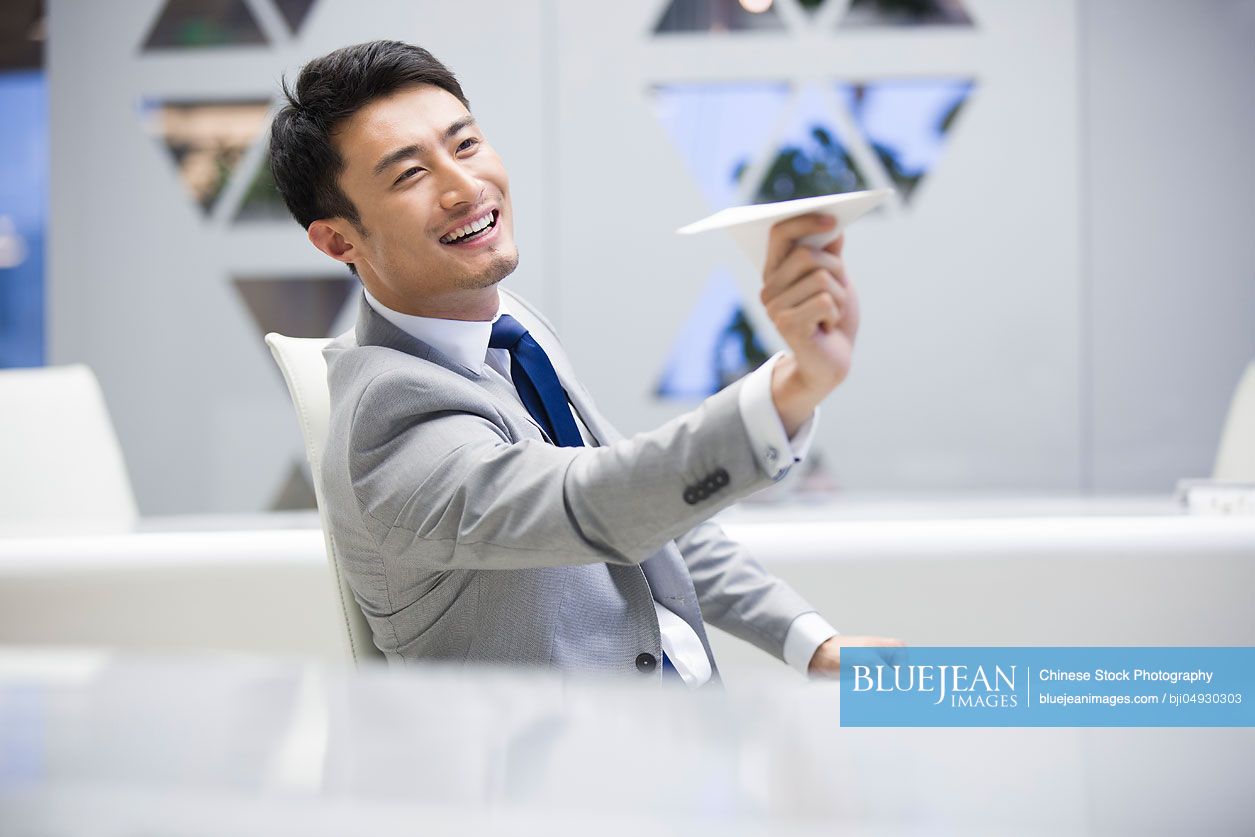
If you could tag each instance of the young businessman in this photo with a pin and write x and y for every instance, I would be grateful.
(486, 512)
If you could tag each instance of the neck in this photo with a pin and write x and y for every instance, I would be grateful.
(478, 305)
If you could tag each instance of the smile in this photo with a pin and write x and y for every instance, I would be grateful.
(476, 230)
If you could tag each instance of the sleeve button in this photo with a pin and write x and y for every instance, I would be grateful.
(646, 663)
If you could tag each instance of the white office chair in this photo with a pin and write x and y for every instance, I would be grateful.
(1235, 461)
(61, 467)
(301, 361)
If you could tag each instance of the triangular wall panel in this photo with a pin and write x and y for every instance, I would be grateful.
(206, 140)
(874, 13)
(906, 123)
(186, 24)
(294, 13)
(809, 158)
(262, 201)
(297, 491)
(719, 130)
(295, 306)
(716, 344)
(718, 16)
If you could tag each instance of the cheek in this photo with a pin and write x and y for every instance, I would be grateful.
(397, 248)
(494, 171)
(405, 227)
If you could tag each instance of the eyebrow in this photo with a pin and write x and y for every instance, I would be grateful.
(417, 150)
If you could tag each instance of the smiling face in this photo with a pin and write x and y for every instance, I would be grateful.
(436, 226)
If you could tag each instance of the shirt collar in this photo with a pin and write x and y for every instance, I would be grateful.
(465, 341)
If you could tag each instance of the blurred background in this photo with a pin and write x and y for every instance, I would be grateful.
(1058, 309)
(1059, 299)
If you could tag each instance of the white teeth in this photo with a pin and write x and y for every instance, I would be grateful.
(474, 226)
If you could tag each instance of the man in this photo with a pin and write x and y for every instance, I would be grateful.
(484, 509)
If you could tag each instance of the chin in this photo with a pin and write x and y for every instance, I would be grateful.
(501, 267)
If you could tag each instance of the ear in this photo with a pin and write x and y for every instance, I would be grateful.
(327, 237)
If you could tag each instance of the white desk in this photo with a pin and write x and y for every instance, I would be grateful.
(1046, 571)
(201, 745)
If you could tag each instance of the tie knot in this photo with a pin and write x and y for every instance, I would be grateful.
(506, 333)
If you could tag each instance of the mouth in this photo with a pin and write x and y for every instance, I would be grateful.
(474, 231)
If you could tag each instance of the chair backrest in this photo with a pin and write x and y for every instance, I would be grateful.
(305, 371)
(1235, 460)
(61, 467)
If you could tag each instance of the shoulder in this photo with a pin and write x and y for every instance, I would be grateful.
(390, 380)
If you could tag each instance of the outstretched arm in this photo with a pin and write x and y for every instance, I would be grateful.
(812, 303)
(437, 481)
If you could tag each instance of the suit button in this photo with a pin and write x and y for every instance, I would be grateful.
(690, 496)
(646, 663)
(721, 478)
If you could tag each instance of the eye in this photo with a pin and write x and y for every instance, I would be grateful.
(468, 143)
(408, 173)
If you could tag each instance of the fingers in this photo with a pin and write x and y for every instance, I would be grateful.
(819, 311)
(785, 234)
(815, 282)
(800, 262)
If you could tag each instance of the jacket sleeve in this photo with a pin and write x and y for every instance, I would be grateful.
(735, 593)
(443, 486)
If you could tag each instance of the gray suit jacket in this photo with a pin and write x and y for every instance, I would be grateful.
(467, 537)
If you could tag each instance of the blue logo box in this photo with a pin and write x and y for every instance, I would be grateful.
(1047, 687)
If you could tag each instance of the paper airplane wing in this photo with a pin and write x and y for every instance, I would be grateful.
(749, 225)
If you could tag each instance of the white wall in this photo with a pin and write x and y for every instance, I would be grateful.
(1040, 318)
(1169, 124)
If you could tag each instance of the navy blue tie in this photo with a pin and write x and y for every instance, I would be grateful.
(536, 381)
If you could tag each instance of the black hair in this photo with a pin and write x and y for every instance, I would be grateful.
(329, 90)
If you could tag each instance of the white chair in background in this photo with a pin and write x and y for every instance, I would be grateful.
(61, 467)
(1235, 461)
(301, 361)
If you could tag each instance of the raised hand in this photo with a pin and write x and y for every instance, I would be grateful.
(812, 303)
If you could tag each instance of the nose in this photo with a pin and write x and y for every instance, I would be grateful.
(458, 185)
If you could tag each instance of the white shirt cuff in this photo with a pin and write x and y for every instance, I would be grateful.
(775, 451)
(806, 634)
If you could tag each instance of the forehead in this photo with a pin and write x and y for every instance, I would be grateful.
(417, 114)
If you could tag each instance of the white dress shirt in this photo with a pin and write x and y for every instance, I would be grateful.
(466, 342)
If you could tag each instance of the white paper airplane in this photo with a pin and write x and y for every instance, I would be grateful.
(749, 225)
